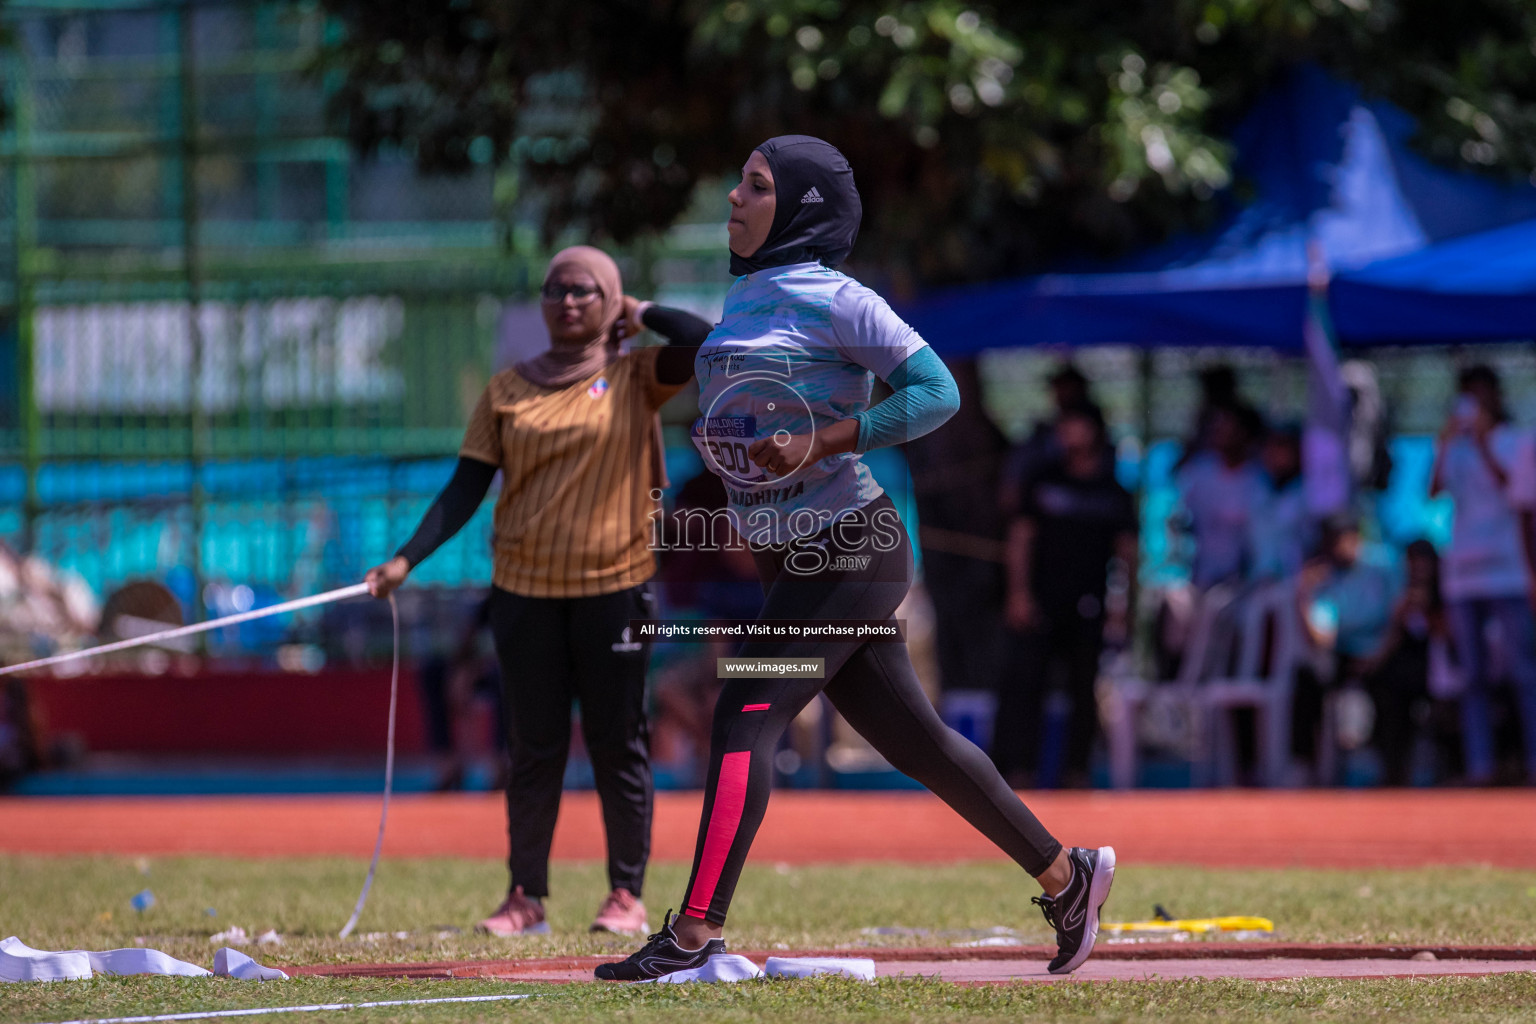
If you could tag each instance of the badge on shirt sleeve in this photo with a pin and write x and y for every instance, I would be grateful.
(599, 388)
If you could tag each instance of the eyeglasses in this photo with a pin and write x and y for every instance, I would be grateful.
(555, 292)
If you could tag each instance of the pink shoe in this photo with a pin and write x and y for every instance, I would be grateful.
(517, 915)
(621, 913)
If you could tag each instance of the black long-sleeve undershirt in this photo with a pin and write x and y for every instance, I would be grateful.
(455, 505)
(684, 333)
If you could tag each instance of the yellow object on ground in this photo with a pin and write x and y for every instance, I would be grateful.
(1191, 925)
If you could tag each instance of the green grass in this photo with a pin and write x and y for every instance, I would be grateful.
(1499, 998)
(83, 902)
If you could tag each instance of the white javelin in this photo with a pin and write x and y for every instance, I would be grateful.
(356, 590)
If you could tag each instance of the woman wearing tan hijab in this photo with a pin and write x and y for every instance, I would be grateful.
(576, 437)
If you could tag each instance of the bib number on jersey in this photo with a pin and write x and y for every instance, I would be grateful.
(723, 441)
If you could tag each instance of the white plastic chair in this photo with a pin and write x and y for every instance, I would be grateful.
(1267, 644)
(1121, 699)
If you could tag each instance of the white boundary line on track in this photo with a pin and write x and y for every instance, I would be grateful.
(316, 1008)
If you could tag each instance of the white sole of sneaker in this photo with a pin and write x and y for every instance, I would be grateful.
(1098, 892)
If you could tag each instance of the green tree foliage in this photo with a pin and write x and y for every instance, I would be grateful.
(986, 139)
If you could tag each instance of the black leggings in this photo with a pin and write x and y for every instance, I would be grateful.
(553, 651)
(872, 685)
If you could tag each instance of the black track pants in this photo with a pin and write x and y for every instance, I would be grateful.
(1062, 637)
(553, 651)
(872, 685)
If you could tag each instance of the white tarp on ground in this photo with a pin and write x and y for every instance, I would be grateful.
(728, 967)
(231, 963)
(20, 962)
(859, 968)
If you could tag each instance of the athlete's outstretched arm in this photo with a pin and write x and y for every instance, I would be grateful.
(684, 333)
(455, 505)
(923, 395)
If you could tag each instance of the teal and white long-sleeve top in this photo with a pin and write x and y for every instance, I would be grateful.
(798, 348)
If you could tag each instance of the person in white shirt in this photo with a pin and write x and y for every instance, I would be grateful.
(1281, 532)
(1220, 489)
(1486, 575)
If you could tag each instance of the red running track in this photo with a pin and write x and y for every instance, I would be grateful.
(1229, 828)
(1015, 967)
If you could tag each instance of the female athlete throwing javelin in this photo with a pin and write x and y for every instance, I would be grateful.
(785, 383)
(575, 434)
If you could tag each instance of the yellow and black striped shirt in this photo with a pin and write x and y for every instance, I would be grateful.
(572, 519)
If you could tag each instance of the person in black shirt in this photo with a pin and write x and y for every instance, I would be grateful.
(1073, 519)
(1069, 390)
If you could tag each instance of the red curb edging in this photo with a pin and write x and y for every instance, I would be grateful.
(1067, 978)
(1150, 951)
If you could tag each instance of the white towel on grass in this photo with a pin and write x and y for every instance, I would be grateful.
(20, 962)
(724, 967)
(860, 968)
(231, 963)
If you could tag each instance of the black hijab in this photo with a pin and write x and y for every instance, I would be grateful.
(817, 211)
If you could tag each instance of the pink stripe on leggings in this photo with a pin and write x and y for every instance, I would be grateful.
(724, 820)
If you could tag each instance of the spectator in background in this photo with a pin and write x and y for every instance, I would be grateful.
(1069, 390)
(1345, 604)
(1346, 600)
(1074, 517)
(449, 685)
(1220, 489)
(1280, 531)
(1218, 395)
(954, 473)
(1413, 666)
(43, 609)
(1486, 578)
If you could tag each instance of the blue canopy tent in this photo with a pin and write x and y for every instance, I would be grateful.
(1479, 287)
(1330, 171)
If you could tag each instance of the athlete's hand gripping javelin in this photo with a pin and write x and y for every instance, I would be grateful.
(783, 452)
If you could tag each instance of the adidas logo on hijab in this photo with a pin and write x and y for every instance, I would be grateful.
(816, 218)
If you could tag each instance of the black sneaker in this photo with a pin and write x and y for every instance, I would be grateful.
(660, 955)
(1074, 912)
